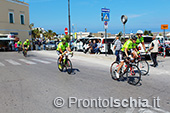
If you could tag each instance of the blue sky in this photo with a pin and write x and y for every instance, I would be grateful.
(144, 14)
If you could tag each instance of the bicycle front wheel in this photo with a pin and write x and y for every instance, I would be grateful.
(133, 75)
(113, 68)
(60, 65)
(144, 67)
(68, 65)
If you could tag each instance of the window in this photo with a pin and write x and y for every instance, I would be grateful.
(11, 17)
(22, 19)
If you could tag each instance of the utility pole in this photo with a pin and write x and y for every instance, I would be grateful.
(69, 21)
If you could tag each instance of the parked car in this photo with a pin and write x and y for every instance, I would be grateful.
(51, 45)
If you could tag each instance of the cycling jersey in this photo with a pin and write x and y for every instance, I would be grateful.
(128, 44)
(19, 43)
(139, 40)
(26, 44)
(62, 46)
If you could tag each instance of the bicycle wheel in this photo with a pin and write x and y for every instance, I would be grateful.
(68, 65)
(133, 75)
(143, 66)
(60, 65)
(113, 69)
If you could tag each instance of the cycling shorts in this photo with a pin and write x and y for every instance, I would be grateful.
(122, 55)
(59, 53)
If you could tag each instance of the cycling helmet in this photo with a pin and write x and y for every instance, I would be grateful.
(134, 37)
(27, 40)
(63, 39)
(139, 32)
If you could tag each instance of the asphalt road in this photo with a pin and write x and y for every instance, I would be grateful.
(30, 85)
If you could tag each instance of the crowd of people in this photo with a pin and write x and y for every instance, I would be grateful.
(93, 47)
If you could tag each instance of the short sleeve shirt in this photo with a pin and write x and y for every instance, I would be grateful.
(62, 46)
(139, 40)
(128, 44)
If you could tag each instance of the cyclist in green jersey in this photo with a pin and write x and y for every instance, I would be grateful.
(26, 45)
(140, 39)
(62, 47)
(19, 44)
(127, 48)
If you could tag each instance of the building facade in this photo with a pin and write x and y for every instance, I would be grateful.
(14, 18)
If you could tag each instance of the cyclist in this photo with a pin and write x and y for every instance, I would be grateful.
(62, 47)
(26, 45)
(127, 48)
(140, 39)
(19, 44)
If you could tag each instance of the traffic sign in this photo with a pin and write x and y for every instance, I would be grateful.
(124, 19)
(106, 17)
(104, 10)
(66, 31)
(164, 26)
(105, 25)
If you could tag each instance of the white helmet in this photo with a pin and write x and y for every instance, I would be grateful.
(139, 32)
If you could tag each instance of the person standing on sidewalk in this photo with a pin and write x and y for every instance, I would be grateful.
(117, 47)
(154, 51)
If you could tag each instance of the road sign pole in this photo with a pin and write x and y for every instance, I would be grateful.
(106, 42)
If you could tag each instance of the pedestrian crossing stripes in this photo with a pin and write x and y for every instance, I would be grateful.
(1, 64)
(33, 61)
(27, 61)
(42, 61)
(52, 60)
(12, 62)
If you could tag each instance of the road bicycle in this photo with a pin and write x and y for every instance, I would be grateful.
(132, 72)
(142, 63)
(25, 51)
(65, 63)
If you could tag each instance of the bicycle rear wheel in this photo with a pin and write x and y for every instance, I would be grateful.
(60, 65)
(113, 68)
(133, 75)
(143, 66)
(68, 65)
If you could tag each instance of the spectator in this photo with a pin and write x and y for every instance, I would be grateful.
(39, 45)
(117, 47)
(89, 47)
(94, 46)
(44, 42)
(36, 44)
(154, 51)
(16, 47)
(99, 46)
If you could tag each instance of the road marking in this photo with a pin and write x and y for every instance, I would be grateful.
(27, 61)
(49, 59)
(1, 64)
(12, 62)
(42, 61)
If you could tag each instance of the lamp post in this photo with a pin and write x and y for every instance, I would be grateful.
(69, 21)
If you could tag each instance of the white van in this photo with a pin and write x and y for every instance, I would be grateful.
(78, 44)
(7, 42)
(107, 44)
(147, 41)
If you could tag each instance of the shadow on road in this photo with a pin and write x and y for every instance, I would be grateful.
(29, 55)
(74, 70)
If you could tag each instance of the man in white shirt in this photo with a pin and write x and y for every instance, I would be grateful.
(154, 51)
